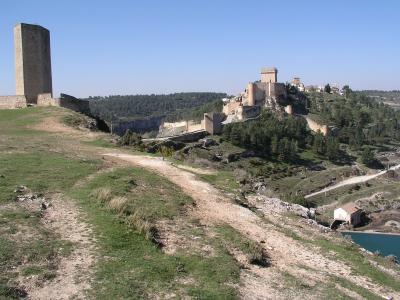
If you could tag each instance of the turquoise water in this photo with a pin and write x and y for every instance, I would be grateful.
(384, 243)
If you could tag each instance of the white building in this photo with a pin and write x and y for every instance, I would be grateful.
(348, 213)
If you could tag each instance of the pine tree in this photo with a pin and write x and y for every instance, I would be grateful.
(332, 148)
(367, 156)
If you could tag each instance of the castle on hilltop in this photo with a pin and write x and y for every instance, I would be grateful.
(33, 80)
(262, 93)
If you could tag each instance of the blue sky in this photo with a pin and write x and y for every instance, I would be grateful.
(130, 47)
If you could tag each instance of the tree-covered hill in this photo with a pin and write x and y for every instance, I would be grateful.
(391, 98)
(357, 117)
(174, 106)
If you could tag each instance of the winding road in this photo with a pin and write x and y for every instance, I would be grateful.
(352, 180)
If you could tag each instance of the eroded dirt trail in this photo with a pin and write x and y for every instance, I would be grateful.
(287, 254)
(74, 271)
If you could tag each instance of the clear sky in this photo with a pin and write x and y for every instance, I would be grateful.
(147, 46)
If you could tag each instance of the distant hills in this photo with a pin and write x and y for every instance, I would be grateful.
(173, 106)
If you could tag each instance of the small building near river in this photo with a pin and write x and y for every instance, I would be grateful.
(349, 213)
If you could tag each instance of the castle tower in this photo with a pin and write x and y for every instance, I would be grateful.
(269, 75)
(32, 61)
(251, 94)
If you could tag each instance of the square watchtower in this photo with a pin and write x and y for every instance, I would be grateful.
(32, 61)
(269, 75)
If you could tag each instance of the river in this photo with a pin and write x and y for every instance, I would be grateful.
(386, 244)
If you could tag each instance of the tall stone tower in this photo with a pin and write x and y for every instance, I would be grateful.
(269, 75)
(32, 61)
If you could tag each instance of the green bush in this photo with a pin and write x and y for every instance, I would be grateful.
(130, 138)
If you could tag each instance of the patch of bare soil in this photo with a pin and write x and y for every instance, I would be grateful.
(177, 235)
(73, 271)
(286, 253)
(53, 124)
(384, 221)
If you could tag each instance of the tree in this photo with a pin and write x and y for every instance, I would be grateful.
(332, 148)
(367, 157)
(346, 91)
(274, 145)
(327, 88)
(319, 144)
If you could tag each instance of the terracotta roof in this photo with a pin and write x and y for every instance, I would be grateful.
(350, 207)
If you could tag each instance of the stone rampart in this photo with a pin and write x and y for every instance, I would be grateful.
(46, 100)
(213, 122)
(10, 102)
(73, 103)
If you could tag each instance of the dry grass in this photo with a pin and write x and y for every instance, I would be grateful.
(138, 221)
(102, 194)
(117, 204)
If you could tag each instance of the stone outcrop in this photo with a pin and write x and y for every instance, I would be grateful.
(317, 127)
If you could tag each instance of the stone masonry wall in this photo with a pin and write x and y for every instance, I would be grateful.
(45, 100)
(9, 102)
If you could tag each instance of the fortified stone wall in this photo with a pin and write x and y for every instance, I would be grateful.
(181, 127)
(190, 136)
(213, 122)
(230, 108)
(73, 103)
(195, 126)
(248, 112)
(46, 100)
(10, 102)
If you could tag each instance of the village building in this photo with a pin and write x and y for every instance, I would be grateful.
(296, 82)
(349, 213)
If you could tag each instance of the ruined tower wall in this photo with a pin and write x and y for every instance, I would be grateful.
(32, 61)
(10, 102)
(251, 94)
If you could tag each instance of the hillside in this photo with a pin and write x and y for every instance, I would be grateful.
(391, 98)
(83, 218)
(173, 106)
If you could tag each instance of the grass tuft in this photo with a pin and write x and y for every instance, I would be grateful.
(102, 194)
(117, 204)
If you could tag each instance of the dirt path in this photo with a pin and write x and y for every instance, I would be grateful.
(53, 124)
(352, 180)
(74, 270)
(287, 254)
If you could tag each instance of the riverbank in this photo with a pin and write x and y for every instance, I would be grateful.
(368, 232)
(382, 243)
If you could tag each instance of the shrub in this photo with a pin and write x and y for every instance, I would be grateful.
(130, 138)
